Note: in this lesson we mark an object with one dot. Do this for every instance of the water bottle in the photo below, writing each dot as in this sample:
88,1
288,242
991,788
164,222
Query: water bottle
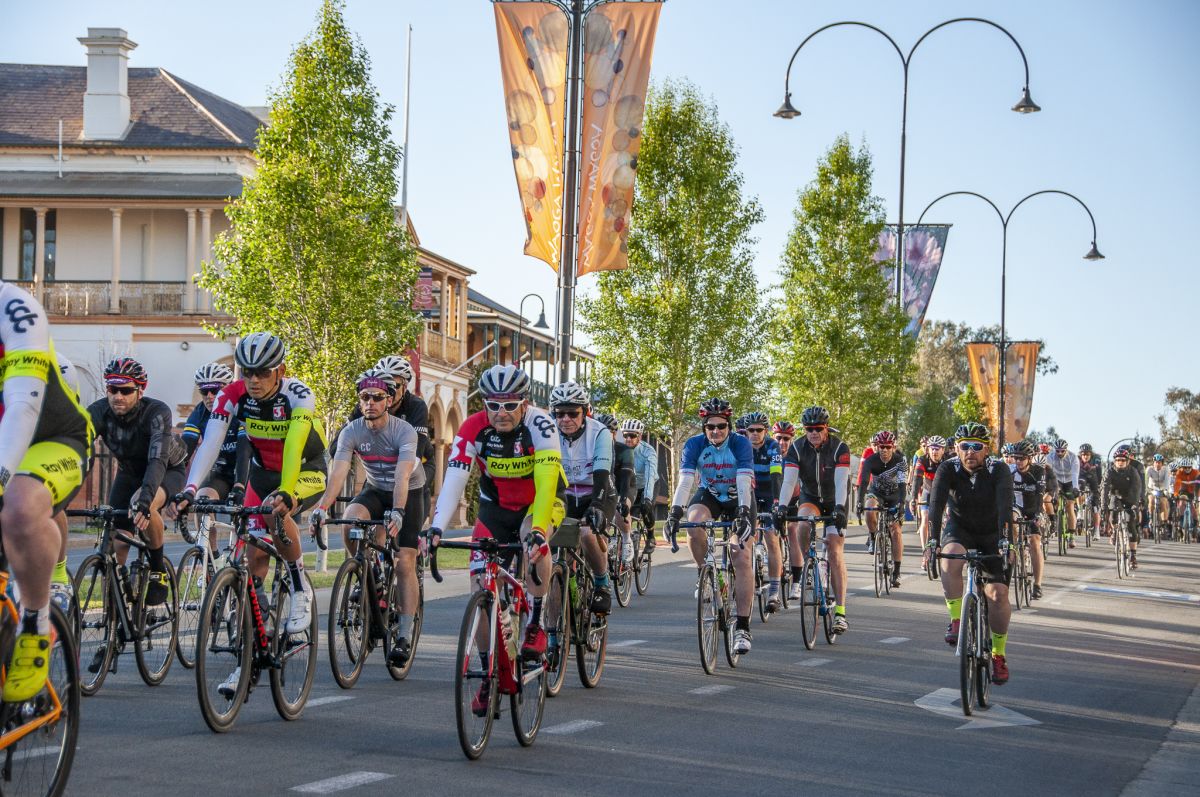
721,583
508,632
573,590
825,579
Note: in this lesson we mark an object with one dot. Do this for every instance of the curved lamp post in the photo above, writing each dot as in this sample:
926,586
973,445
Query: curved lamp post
541,323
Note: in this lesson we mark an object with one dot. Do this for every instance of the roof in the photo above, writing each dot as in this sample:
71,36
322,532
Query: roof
477,297
120,185
167,112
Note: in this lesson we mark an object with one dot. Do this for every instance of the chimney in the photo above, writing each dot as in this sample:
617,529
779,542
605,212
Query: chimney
106,103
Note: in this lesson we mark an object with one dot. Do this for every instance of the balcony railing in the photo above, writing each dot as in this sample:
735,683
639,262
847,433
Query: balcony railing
91,297
441,348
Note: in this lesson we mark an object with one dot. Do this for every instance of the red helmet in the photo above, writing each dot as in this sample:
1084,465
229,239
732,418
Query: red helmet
716,407
783,427
1044,448
883,438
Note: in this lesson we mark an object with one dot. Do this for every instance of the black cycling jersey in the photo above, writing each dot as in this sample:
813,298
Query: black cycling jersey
883,479
623,472
232,461
980,503
1030,487
1124,483
142,441
768,471
1090,474
817,465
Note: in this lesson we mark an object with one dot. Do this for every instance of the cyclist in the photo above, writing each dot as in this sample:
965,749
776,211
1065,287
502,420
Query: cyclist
884,475
516,446
150,464
768,479
1185,488
1043,451
722,466
1064,466
859,481
1032,486
622,480
406,405
1123,489
1091,472
227,481
740,426
925,467
587,459
1158,480
394,490
287,466
45,436
977,494
819,464
645,474
1137,465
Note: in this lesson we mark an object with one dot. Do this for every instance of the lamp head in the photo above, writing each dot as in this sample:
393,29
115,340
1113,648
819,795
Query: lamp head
1026,105
1093,253
787,111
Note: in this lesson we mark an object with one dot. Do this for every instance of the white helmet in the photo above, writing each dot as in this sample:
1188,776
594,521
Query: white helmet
504,381
260,350
213,374
633,425
569,394
396,367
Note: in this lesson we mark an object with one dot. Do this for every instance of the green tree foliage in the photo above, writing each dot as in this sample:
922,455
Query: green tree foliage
679,325
1179,423
315,255
967,407
836,333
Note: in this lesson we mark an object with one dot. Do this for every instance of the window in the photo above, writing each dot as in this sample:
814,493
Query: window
29,245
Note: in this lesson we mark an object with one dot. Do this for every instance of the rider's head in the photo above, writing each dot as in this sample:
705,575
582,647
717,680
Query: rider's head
569,403
124,381
1121,457
505,390
210,379
260,356
398,370
632,430
756,427
884,443
783,432
935,447
815,420
973,441
375,393
715,414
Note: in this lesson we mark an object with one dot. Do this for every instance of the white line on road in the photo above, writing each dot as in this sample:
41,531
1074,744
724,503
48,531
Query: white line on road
324,701
627,643
1143,593
893,640
1056,597
341,782
35,752
948,703
812,662
714,689
574,726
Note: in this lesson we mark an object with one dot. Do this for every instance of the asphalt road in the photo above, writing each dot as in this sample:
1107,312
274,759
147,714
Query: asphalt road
1101,673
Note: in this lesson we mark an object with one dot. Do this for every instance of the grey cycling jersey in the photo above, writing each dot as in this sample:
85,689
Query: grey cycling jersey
1158,480
381,450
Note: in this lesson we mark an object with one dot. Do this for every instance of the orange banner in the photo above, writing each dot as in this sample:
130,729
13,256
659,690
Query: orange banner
1020,372
533,65
618,42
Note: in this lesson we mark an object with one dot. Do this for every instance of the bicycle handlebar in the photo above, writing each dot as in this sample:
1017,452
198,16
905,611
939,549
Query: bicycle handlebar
102,511
970,556
486,544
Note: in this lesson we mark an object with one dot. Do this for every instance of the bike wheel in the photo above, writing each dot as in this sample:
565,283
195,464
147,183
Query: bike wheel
393,618
886,576
785,573
296,654
157,631
760,585
223,648
642,565
528,703
591,641
730,613
1062,533
623,583
828,609
191,578
967,663
472,676
983,664
349,624
706,619
1120,543
557,610
1089,523
97,622
808,603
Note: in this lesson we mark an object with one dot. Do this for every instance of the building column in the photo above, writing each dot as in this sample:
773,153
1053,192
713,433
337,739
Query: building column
462,320
39,255
444,310
205,254
189,290
114,291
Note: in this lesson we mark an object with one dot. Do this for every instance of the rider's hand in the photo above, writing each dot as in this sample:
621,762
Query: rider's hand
395,519
317,518
744,526
435,536
839,517
538,547
281,501
595,519
625,506
779,516
237,494
930,553
183,500
141,513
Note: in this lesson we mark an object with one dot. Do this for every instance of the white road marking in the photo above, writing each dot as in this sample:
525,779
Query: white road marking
574,726
35,752
1057,596
893,640
324,701
812,662
627,643
948,703
341,782
713,689
1143,593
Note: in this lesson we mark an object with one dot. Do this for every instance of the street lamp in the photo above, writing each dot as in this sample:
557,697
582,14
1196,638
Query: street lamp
788,111
1093,254
541,323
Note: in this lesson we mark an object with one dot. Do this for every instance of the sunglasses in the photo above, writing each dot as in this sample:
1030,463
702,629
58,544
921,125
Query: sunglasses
933,448
567,413
1060,451
506,406
756,430
971,446
372,397
124,391
257,373
811,429
631,435
1018,457
887,448
209,391
782,438
716,427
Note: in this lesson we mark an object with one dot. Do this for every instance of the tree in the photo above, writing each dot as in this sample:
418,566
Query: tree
680,323
315,255
968,408
1179,423
836,334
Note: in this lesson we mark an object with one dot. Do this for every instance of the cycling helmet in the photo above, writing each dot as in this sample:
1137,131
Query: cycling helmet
633,425
609,420
384,375
740,424
569,394
756,417
1159,458
504,381
973,431
935,440
716,407
1061,445
1012,450
124,370
373,379
260,350
783,427
1025,449
815,416
1123,452
396,367
1044,448
1085,448
883,438
213,374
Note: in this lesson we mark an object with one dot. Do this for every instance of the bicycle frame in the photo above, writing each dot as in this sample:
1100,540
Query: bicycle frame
11,617
107,515
358,533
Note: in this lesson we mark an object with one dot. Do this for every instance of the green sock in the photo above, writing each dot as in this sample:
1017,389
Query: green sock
998,643
839,610
955,607
60,575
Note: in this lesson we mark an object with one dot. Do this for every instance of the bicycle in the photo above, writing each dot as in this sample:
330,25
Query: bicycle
364,607
1157,528
974,647
113,610
1089,518
816,597
1060,524
38,736
1021,560
620,567
194,573
495,614
1124,525
715,593
569,618
239,635
762,581
642,559
889,516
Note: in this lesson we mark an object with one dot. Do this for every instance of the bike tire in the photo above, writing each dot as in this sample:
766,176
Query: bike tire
983,667
292,680
474,732
730,612
785,573
393,618
153,651
707,623
1062,532
830,608
191,580
557,608
97,621
760,585
623,582
642,570
186,527
967,663
528,704
809,603
591,641
349,624
224,628
887,563
878,560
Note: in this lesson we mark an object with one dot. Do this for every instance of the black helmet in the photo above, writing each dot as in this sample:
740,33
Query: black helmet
609,420
1085,448
973,431
757,417
123,370
1012,450
815,415
740,424
716,406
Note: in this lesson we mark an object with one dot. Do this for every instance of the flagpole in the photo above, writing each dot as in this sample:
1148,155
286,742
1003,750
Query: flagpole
404,172
566,269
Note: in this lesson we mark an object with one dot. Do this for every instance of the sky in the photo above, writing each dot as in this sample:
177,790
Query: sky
1117,82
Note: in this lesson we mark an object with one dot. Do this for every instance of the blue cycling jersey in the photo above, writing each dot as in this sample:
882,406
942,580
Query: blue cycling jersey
768,463
718,466
194,428
645,467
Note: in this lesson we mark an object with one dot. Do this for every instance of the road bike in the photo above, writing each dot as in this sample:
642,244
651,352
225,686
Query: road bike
1125,525
113,611
1021,561
889,517
489,662
569,620
1088,515
195,572
621,557
974,647
716,610
816,594
642,556
242,632
1060,524
1158,528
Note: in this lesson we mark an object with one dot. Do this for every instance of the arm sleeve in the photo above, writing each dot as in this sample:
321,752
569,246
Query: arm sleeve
210,446
938,494
791,475
191,429
453,485
600,480
687,478
418,419
547,467
650,471
27,364
299,428
1004,499
841,476
1075,473
160,449
745,488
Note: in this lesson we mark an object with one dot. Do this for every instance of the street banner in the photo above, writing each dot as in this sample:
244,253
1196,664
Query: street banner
423,292
1020,372
924,246
533,66
985,378
618,42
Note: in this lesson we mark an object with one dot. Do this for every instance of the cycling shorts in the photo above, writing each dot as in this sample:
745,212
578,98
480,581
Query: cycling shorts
720,510
578,506
376,502
57,463
823,508
506,526
126,485
984,543
262,482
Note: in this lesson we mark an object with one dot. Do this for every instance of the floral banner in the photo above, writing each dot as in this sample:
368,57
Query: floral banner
1020,372
923,249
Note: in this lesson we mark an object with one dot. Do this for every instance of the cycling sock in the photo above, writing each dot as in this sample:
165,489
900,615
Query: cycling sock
999,641
297,581
156,558
955,607
896,568
405,626
602,581
743,623
839,610
797,572
36,621
773,587
535,616
60,575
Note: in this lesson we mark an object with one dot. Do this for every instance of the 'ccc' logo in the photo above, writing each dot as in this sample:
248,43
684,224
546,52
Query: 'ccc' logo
19,314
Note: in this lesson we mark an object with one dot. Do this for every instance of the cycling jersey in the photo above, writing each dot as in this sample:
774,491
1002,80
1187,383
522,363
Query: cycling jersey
410,407
142,440
1090,473
823,472
380,450
884,480
587,459
1185,481
979,504
645,460
1124,483
726,471
1157,479
1065,468
227,460
1029,488
768,471
866,454
282,430
518,470
923,471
